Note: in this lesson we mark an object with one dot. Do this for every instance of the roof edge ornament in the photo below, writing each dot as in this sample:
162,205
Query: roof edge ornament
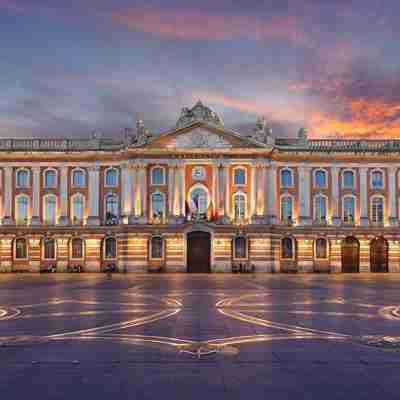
263,132
199,112
302,136
139,136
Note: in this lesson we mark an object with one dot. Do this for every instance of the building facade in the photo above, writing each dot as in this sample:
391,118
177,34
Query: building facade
200,198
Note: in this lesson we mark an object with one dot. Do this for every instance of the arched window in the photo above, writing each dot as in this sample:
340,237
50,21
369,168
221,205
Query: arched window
286,178
320,208
49,249
50,178
111,209
240,206
77,248
22,208
21,249
348,179
321,248
199,200
287,248
111,178
158,176
110,248
78,204
320,179
78,178
239,176
240,247
377,207
22,178
377,179
50,209
156,247
348,209
286,209
157,206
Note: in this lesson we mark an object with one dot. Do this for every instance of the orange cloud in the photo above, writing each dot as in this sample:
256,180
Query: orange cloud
372,119
195,25
363,118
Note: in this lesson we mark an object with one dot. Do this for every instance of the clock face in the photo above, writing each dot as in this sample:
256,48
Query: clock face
199,173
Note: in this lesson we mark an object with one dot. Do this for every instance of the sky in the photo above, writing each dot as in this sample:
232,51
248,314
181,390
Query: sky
68,68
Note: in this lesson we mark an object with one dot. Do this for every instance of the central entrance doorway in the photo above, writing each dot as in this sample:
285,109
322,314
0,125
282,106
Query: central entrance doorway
350,255
198,251
379,255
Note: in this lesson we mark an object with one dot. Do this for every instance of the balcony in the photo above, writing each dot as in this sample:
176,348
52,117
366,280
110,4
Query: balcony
288,221
348,220
111,219
322,221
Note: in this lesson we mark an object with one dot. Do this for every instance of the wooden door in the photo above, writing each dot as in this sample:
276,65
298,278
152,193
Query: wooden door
198,252
350,255
379,255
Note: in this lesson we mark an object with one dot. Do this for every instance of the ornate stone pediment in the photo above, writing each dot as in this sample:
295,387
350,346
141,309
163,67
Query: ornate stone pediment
200,138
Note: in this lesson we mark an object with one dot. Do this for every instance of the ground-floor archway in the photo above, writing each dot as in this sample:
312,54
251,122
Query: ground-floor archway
350,255
379,255
198,251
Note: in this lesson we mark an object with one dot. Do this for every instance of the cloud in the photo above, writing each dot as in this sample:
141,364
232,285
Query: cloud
356,118
191,24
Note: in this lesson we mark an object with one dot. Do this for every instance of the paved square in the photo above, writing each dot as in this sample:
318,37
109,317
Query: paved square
181,335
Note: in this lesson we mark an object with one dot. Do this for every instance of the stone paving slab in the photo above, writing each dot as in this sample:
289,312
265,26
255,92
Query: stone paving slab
285,336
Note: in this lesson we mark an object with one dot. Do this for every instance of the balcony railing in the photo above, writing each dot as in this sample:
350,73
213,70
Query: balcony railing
289,221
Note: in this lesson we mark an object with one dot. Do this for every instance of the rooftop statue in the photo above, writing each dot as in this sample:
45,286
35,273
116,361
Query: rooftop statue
302,135
262,132
137,137
198,113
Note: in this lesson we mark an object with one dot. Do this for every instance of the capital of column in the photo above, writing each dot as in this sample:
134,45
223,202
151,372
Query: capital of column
94,168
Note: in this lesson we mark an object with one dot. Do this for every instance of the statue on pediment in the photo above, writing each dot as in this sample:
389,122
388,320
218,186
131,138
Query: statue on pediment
198,113
262,132
137,137
302,135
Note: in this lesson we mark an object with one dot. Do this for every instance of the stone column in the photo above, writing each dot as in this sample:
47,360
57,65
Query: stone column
272,195
227,193
304,195
180,180
35,220
261,189
8,196
141,192
253,194
215,189
126,191
364,220
64,220
392,209
94,185
171,188
133,173
336,219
